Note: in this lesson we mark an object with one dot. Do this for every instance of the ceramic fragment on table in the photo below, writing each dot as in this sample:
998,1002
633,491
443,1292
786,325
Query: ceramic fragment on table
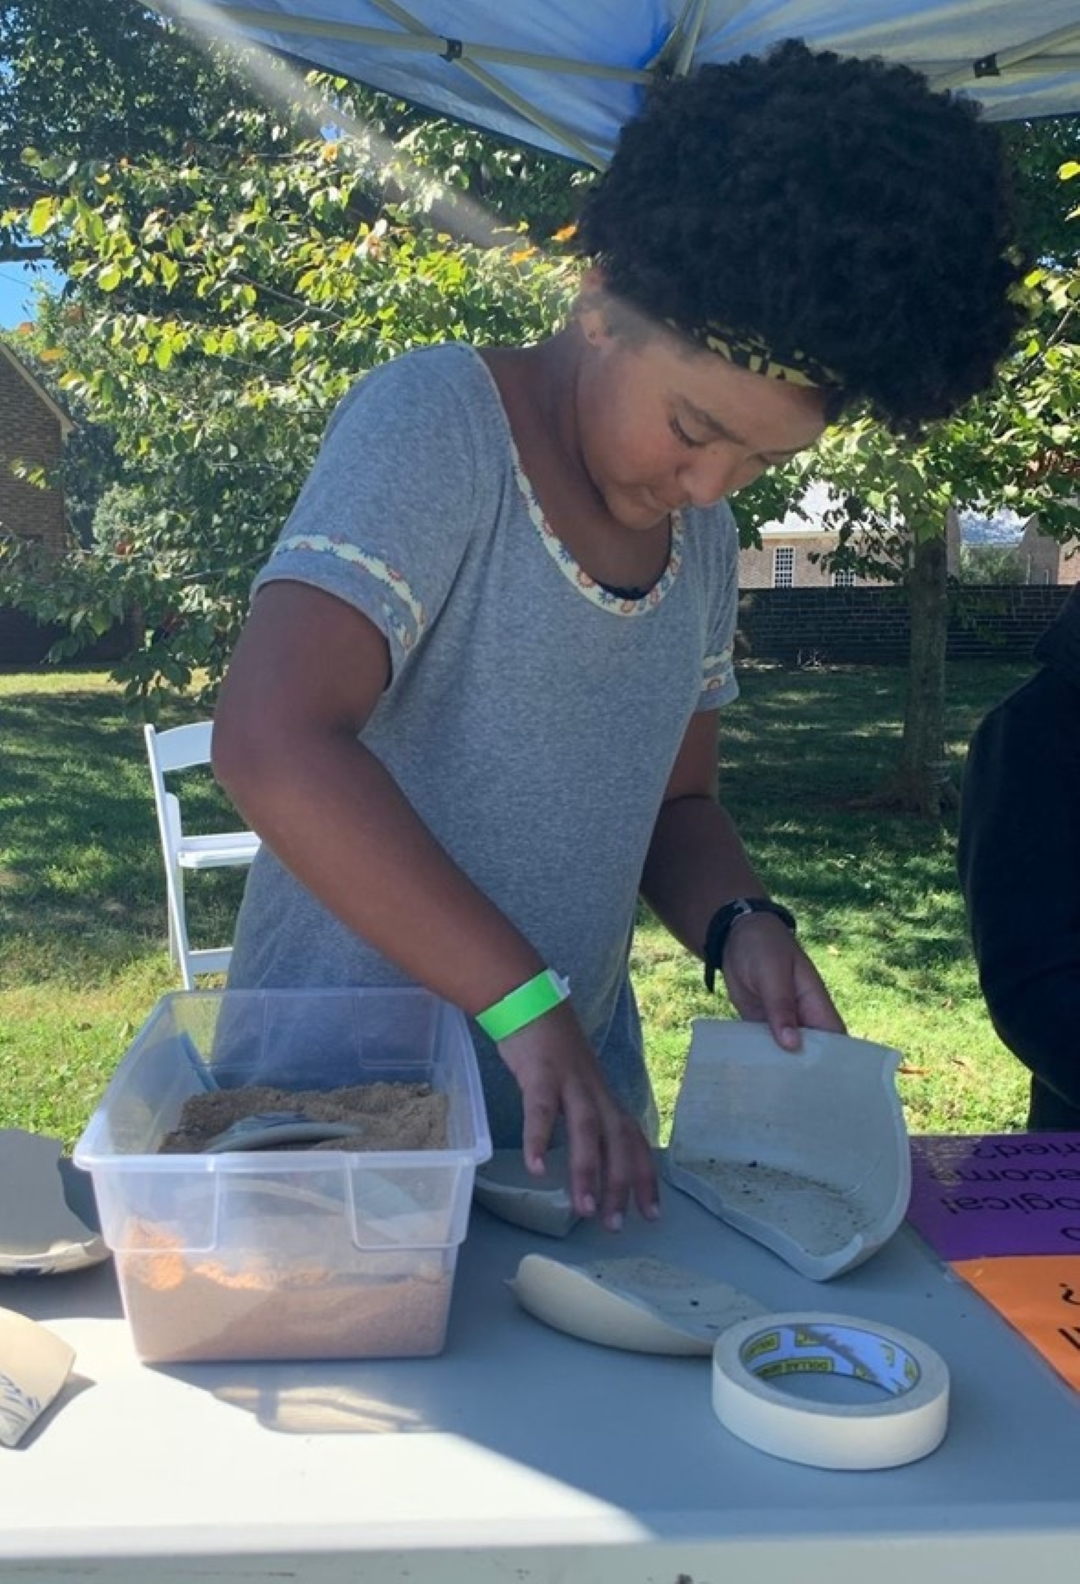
505,1186
807,1152
48,1216
641,1305
34,1364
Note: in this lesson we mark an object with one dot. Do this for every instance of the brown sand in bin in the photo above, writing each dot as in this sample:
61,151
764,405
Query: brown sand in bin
389,1116
285,1301
287,1280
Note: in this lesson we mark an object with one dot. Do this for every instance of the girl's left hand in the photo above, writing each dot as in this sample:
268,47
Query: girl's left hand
770,979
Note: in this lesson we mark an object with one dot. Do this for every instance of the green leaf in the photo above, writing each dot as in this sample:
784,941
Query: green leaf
41,216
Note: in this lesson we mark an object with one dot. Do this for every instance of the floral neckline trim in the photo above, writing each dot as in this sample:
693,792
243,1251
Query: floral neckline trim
596,593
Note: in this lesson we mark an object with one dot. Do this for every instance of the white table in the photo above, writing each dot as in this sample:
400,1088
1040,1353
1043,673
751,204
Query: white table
521,1456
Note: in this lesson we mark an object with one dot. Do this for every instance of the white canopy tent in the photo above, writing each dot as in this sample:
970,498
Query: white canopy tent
563,75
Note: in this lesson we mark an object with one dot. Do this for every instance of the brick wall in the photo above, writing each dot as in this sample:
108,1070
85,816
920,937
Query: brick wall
24,642
32,432
869,626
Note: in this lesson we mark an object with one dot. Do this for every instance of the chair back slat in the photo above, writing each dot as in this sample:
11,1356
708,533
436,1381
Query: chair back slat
176,749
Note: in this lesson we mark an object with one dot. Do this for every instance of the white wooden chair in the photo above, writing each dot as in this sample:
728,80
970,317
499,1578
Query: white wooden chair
180,748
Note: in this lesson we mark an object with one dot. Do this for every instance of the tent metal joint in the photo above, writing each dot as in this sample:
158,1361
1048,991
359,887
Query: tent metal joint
986,66
454,49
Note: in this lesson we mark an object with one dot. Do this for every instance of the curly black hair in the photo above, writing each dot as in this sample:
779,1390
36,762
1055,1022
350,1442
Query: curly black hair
829,206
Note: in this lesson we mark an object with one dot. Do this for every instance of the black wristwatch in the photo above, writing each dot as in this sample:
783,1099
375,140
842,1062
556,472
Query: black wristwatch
720,924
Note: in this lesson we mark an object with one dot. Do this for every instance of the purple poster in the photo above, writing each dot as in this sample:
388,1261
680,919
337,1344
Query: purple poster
996,1193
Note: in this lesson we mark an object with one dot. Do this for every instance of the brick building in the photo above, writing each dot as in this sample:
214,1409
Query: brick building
788,557
1044,560
33,429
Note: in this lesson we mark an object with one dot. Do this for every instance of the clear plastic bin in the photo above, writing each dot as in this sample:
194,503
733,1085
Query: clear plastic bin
270,1253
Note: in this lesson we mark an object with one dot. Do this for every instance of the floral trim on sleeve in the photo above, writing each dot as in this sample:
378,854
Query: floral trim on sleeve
716,672
403,612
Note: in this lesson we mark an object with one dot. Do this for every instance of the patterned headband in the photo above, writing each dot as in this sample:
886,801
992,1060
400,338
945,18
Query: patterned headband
748,352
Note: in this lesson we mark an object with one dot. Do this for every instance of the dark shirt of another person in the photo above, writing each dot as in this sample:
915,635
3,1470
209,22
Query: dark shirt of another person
1019,862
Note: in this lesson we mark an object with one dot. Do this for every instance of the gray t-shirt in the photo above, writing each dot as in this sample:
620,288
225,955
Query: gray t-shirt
532,718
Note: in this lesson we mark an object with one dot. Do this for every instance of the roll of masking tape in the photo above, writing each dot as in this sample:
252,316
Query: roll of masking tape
753,1354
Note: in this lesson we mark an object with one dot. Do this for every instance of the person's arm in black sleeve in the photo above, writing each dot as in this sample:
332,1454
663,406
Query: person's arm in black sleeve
1019,865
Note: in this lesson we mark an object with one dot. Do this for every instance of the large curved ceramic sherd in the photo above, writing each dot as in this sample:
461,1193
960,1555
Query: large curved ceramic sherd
807,1153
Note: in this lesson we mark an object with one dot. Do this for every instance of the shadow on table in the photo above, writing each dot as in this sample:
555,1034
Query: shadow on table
637,1431
91,1293
73,1387
452,1393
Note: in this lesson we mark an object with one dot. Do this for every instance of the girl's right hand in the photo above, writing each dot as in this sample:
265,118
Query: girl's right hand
610,1157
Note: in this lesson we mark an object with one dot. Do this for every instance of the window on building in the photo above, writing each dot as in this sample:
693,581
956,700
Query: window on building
843,577
783,567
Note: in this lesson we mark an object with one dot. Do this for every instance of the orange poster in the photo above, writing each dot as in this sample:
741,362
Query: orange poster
1039,1294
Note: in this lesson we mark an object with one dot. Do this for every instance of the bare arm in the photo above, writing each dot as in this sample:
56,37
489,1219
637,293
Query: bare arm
696,863
306,675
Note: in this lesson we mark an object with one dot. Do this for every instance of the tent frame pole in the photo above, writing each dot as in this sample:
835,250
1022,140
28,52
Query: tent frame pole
234,19
1036,53
508,96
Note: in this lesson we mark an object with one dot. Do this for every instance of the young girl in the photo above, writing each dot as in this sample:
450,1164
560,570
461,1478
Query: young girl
473,714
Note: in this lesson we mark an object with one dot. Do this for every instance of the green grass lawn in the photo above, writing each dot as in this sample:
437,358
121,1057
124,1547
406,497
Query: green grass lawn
875,894
82,906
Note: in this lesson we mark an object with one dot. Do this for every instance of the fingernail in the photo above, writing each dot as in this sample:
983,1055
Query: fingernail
615,1222
653,1212
790,1038
588,1205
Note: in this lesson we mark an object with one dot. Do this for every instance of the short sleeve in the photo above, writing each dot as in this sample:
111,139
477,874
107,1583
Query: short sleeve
384,519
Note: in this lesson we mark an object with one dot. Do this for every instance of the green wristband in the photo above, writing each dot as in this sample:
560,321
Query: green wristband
523,1005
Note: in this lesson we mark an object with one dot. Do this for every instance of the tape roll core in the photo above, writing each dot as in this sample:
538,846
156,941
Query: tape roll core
907,1425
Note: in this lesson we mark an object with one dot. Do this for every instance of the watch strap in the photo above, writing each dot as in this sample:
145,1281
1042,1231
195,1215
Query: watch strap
724,919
